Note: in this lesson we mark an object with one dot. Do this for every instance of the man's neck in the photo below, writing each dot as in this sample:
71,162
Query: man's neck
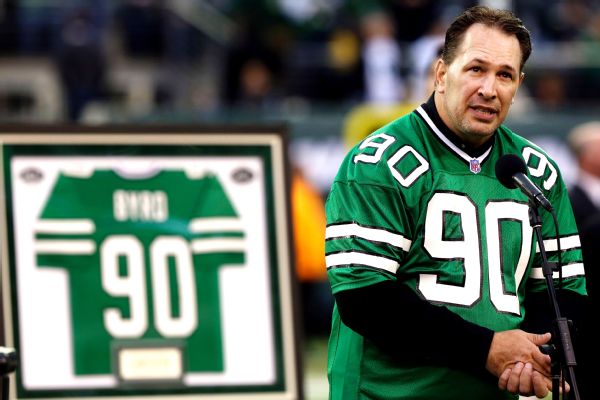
474,151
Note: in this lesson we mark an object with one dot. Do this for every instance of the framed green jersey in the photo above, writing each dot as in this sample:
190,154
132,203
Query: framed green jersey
148,263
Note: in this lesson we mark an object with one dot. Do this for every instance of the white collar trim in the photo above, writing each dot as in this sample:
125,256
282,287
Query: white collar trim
447,141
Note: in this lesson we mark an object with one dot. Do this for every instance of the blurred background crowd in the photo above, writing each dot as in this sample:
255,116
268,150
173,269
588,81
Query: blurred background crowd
331,70
309,63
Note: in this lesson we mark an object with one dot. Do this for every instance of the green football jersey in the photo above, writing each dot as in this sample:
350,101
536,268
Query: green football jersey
409,204
143,257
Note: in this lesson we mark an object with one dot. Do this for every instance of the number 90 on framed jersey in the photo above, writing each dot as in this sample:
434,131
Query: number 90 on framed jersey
148,263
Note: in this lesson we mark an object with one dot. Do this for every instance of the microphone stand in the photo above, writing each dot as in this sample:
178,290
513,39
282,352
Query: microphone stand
561,352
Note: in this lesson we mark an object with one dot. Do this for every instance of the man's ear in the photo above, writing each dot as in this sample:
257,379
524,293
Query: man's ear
521,77
440,76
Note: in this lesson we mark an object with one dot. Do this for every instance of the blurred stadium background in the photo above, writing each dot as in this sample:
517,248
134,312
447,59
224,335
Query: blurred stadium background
331,70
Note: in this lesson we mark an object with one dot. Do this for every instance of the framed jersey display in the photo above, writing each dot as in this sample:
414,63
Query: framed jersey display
148,263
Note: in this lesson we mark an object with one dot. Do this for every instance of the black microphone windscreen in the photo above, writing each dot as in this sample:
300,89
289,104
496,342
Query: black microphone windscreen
507,166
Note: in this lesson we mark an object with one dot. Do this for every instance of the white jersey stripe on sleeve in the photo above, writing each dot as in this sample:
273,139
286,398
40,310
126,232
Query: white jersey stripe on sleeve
65,247
355,258
567,271
65,226
214,245
566,243
371,234
216,224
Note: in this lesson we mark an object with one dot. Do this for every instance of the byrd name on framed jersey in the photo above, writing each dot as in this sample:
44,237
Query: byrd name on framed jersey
148,263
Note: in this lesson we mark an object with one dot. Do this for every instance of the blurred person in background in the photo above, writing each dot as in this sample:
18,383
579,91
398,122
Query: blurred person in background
323,62
423,53
308,46
254,59
401,40
257,89
81,63
550,91
370,116
384,86
439,291
584,141
382,59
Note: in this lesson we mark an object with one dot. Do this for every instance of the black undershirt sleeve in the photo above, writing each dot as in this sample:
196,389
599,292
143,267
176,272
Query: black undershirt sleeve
410,329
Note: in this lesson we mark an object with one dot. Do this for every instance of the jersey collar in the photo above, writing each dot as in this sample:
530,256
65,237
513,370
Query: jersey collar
474,156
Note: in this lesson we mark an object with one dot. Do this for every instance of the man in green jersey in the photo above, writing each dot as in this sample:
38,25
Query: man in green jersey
433,263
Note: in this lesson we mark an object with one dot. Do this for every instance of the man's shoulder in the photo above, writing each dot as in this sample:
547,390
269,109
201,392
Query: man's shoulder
517,142
507,134
406,130
397,148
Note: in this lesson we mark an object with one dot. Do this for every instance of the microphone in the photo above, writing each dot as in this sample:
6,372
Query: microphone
8,360
511,171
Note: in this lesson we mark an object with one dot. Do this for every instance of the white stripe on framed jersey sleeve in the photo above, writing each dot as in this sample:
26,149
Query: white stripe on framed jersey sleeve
566,243
214,245
65,226
371,234
354,258
216,224
567,271
67,246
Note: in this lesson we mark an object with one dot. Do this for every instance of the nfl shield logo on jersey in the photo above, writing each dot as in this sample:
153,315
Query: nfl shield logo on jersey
474,166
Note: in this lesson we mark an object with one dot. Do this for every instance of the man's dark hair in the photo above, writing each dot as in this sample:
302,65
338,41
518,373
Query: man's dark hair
503,20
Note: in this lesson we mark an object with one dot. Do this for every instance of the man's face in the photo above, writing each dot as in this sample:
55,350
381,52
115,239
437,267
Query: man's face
475,91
